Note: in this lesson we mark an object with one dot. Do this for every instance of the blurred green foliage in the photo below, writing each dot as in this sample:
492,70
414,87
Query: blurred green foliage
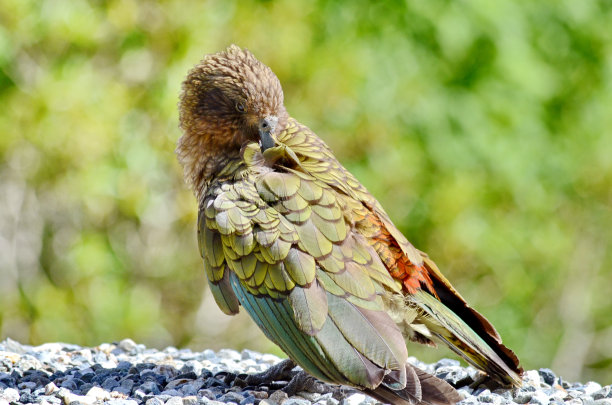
483,127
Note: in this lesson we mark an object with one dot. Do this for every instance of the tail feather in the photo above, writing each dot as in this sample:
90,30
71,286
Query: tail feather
420,388
449,328
470,334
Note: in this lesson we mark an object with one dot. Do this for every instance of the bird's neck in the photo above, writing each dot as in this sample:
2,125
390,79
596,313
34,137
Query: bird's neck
201,164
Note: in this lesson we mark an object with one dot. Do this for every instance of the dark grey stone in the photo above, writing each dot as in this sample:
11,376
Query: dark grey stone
248,400
231,397
547,375
150,387
110,383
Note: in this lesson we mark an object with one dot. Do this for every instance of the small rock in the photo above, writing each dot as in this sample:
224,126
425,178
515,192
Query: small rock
231,397
522,396
465,392
190,400
98,393
69,397
127,345
270,359
150,387
249,400
605,392
27,385
311,396
488,397
591,387
278,397
470,401
454,375
171,393
209,354
192,366
603,401
539,398
323,399
355,399
167,371
139,395
191,389
175,401
247,354
121,402
447,363
110,383
531,377
175,383
207,393
154,401
296,401
10,395
70,384
51,388
258,394
547,375
229,355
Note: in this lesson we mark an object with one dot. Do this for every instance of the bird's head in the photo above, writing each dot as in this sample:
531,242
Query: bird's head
228,99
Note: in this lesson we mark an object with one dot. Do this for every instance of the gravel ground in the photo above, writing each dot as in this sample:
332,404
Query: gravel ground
127,373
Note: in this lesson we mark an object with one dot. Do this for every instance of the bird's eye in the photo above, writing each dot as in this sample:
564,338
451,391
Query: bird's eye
240,108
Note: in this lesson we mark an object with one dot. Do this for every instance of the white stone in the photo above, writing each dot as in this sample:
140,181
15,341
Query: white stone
190,400
229,355
270,359
121,402
175,401
539,398
532,377
10,395
69,397
127,345
296,401
50,388
355,399
98,393
591,387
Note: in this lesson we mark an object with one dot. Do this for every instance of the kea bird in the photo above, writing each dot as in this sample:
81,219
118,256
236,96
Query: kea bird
290,235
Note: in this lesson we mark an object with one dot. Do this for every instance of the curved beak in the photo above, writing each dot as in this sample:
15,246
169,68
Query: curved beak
266,128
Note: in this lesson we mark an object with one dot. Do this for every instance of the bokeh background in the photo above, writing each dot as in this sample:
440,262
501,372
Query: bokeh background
483,127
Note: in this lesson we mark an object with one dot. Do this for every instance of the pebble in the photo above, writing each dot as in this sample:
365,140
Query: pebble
10,395
127,373
296,401
605,392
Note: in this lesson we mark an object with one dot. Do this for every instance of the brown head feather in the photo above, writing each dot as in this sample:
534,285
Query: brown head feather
223,99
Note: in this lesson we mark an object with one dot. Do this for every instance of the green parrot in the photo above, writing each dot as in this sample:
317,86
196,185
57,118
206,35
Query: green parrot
290,235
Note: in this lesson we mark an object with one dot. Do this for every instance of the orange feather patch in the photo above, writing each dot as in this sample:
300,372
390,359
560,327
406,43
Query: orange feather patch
412,276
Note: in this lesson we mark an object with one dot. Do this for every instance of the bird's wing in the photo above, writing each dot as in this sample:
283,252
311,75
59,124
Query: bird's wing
460,326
